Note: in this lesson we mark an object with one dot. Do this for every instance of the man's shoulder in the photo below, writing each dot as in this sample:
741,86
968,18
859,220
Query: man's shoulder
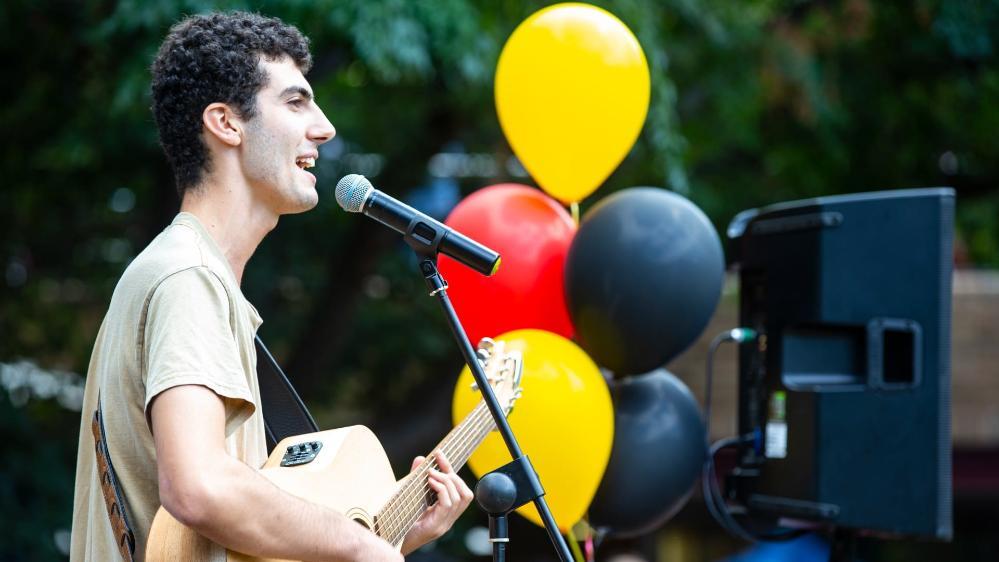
175,250
178,248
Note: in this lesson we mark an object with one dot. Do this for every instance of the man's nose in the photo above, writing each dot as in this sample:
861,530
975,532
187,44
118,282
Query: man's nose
323,130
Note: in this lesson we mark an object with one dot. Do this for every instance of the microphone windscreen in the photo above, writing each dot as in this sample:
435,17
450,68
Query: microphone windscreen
351,192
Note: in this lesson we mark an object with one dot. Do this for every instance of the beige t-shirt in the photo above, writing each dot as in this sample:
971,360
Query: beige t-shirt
176,317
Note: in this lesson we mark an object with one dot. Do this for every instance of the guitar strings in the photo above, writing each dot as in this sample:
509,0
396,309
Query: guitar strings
460,433
429,496
394,525
475,424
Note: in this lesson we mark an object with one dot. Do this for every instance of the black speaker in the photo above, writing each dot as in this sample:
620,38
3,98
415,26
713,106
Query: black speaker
846,391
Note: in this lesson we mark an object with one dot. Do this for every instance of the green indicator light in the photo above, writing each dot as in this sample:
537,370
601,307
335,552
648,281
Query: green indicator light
778,405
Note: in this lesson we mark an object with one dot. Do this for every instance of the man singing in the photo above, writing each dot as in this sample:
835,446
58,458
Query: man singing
174,369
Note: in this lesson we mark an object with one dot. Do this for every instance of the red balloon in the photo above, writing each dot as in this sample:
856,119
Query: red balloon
532,233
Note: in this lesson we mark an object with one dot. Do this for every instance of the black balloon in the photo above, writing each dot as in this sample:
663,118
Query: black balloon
643,277
659,449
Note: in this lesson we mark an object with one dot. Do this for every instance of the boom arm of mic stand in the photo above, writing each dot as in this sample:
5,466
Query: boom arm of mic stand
438,288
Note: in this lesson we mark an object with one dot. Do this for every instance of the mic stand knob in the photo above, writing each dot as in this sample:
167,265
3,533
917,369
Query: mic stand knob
503,490
496,493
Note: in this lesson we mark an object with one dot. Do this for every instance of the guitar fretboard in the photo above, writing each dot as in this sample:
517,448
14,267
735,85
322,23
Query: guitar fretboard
415,495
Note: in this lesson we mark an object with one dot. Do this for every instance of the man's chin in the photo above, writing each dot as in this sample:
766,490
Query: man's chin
306,201
301,208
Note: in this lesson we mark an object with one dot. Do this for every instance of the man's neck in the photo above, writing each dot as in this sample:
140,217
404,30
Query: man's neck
235,224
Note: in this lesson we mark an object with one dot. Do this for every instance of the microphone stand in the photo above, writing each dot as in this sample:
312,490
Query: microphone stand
516,483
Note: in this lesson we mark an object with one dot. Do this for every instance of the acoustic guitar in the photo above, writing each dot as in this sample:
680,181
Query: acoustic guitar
347,470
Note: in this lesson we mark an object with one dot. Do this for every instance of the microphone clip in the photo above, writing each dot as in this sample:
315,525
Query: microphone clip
428,267
423,238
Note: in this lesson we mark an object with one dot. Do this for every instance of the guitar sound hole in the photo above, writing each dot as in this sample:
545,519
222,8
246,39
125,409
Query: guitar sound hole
362,523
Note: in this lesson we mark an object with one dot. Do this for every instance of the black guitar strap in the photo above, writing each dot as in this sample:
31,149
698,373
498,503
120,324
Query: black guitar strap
284,413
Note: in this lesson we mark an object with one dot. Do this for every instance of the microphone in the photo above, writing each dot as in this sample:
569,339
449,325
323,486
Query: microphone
356,195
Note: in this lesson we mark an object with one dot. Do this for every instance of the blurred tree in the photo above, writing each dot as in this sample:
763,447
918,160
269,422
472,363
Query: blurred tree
753,102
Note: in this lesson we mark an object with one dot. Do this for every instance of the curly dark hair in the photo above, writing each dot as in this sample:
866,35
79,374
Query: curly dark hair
214,58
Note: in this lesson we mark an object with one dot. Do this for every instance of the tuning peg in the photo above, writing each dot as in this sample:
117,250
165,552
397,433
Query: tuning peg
482,357
475,385
486,344
513,400
513,363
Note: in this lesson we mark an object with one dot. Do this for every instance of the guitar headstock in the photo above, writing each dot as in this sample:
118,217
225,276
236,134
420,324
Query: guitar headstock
503,368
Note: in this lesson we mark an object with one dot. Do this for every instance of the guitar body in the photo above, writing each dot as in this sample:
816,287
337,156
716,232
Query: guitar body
350,474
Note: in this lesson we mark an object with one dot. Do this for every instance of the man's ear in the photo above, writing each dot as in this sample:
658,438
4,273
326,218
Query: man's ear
221,122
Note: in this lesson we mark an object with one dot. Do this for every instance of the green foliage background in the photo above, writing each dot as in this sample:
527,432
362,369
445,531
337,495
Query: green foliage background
753,102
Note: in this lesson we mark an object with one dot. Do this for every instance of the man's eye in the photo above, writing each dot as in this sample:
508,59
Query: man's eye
296,102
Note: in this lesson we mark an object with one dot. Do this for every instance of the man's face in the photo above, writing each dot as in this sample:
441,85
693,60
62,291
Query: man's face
282,140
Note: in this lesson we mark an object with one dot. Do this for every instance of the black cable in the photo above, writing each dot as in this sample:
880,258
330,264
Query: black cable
712,348
712,493
709,485
713,497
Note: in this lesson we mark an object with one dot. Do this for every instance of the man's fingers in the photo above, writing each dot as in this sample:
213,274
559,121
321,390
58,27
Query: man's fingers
443,462
443,496
447,480
452,488
452,492
465,492
417,462
453,496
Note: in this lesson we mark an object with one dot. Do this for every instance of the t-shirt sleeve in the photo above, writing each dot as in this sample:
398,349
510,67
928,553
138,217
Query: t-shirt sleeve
189,339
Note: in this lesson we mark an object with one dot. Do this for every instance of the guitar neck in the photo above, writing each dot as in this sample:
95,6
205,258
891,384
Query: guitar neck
414,495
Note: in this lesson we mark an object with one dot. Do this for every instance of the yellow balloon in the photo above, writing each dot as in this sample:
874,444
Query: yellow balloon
564,422
572,92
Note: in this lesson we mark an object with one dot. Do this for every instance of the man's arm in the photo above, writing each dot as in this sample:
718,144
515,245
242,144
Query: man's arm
232,504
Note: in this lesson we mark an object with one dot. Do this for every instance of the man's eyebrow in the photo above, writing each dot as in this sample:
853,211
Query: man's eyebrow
300,90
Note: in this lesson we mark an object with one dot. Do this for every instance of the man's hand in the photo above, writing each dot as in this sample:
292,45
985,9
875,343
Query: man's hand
453,496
